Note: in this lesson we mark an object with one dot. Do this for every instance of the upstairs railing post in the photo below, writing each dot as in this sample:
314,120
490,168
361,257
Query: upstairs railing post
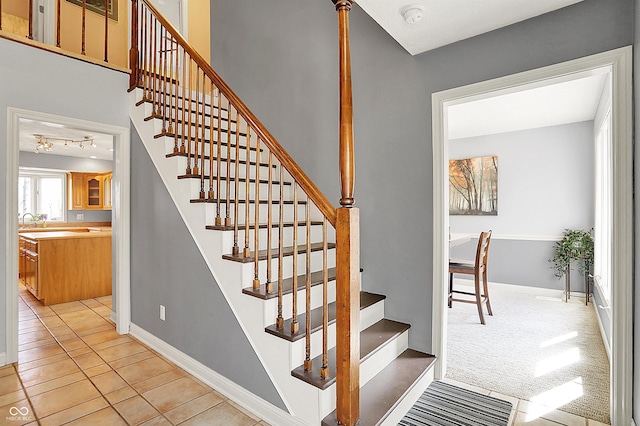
347,246
133,52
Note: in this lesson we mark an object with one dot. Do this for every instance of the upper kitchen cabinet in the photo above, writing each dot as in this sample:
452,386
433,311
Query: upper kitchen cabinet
89,191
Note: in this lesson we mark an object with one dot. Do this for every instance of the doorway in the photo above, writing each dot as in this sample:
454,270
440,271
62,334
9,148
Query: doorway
120,218
619,63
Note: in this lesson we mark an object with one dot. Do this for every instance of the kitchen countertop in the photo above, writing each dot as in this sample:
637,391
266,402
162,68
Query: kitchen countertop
58,235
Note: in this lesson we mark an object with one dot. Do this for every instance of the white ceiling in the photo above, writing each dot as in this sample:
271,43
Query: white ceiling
28,128
448,21
550,105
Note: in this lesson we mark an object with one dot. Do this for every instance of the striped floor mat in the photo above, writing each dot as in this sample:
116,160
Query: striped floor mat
443,404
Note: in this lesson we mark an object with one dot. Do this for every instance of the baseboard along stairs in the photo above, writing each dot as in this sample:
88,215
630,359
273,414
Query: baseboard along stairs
268,241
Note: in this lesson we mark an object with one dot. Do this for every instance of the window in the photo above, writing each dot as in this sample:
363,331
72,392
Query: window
41,192
603,214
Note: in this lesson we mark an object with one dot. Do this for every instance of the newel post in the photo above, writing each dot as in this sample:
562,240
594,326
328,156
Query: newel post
133,51
348,246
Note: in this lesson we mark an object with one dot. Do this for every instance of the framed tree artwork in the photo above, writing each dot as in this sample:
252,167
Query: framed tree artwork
473,186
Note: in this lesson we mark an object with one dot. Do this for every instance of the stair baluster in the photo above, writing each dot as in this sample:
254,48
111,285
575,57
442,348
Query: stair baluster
280,318
235,249
268,283
307,287
247,250
256,222
227,218
295,326
218,155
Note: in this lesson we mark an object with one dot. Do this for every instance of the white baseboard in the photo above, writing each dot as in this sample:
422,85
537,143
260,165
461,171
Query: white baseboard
249,401
3,358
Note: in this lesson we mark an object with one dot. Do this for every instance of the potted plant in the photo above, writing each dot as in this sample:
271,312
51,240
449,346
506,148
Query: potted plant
575,245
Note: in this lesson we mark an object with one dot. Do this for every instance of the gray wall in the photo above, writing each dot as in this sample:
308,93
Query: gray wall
168,269
281,57
64,87
545,185
545,180
69,164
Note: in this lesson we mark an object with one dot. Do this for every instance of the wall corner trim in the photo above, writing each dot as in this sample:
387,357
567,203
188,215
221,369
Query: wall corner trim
3,359
231,390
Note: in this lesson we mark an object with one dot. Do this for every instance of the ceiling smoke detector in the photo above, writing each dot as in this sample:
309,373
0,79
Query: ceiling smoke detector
412,14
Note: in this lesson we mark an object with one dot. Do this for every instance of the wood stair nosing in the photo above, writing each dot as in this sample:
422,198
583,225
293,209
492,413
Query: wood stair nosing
222,160
260,226
366,299
215,130
179,98
372,339
287,285
286,251
241,201
242,179
207,141
384,391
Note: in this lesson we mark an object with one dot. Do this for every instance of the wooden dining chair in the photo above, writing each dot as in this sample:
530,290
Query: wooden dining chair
479,270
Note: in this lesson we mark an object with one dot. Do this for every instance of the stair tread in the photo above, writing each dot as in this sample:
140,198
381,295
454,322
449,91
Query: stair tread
286,251
206,177
194,137
366,299
372,339
208,141
222,160
287,285
241,201
383,392
261,226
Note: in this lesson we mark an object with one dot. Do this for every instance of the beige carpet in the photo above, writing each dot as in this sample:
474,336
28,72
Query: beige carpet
534,347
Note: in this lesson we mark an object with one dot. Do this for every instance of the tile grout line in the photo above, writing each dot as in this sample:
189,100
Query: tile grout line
58,342
24,389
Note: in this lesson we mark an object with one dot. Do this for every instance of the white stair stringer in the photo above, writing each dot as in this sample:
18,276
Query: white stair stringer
305,403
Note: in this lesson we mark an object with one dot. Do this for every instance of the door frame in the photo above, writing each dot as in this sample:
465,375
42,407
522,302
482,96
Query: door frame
120,219
619,61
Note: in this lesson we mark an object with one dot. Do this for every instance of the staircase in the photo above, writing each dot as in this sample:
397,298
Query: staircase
286,260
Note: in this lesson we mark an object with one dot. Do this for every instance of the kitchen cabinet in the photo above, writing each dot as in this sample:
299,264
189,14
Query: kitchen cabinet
64,266
28,259
89,191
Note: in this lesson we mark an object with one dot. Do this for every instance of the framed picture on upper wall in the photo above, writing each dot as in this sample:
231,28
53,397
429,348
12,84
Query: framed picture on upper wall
97,6
473,186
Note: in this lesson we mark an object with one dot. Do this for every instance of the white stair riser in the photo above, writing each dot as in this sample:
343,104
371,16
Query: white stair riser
271,305
181,166
287,236
287,267
193,149
287,212
196,186
298,347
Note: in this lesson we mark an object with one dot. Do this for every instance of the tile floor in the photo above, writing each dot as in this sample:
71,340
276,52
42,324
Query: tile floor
73,368
526,413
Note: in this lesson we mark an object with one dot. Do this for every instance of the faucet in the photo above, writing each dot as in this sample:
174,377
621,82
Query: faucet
32,217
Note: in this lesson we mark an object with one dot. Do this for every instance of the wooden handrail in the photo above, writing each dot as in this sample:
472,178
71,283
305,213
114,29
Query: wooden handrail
305,183
210,113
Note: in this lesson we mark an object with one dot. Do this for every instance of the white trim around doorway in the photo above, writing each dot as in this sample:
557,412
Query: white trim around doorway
120,219
619,64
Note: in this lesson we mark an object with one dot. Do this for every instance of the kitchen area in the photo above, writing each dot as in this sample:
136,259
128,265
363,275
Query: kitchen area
64,216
